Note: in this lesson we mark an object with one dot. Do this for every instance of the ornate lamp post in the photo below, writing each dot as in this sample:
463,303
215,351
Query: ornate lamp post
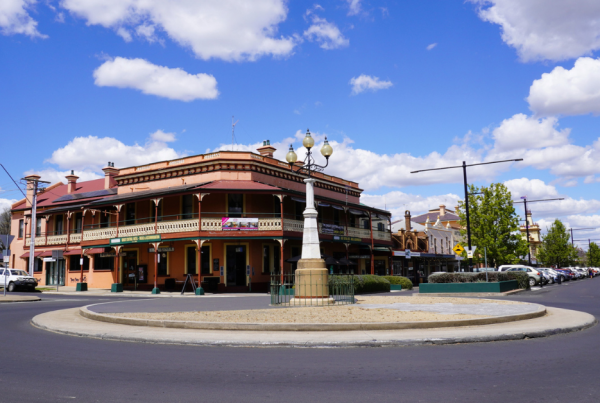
311,276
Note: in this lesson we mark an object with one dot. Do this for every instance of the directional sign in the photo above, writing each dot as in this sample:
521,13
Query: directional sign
458,249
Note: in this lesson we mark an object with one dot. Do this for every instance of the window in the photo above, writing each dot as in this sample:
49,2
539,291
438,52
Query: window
21,228
191,260
366,224
58,224
39,265
104,263
130,214
351,221
205,260
276,206
299,210
187,206
235,205
78,222
336,217
104,219
162,264
74,263
38,226
266,259
380,226
277,259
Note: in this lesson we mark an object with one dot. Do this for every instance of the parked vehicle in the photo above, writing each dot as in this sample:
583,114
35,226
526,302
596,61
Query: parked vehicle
482,269
535,276
17,279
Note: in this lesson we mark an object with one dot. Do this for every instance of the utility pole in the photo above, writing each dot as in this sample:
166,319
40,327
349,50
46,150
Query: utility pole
464,168
524,198
34,181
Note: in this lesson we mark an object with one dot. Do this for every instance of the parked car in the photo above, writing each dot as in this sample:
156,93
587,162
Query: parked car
482,269
552,274
17,279
535,276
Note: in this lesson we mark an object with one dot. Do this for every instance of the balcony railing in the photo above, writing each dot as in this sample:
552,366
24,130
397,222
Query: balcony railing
191,225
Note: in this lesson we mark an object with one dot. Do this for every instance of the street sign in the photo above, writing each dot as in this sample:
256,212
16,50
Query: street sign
472,249
407,253
6,259
469,253
458,249
49,259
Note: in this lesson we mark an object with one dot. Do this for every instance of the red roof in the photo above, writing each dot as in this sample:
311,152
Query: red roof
239,185
46,198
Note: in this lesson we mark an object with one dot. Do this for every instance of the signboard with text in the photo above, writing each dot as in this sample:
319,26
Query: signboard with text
135,239
239,224
346,239
332,229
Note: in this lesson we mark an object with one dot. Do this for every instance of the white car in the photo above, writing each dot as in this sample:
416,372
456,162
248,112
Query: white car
16,278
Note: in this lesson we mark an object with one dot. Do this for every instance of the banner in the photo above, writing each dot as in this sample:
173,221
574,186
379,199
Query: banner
239,224
332,229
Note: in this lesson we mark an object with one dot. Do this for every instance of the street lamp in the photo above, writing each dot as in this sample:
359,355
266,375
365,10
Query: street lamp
312,275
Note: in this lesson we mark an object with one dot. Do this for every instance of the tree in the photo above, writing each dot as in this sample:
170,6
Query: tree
494,225
593,255
5,219
556,250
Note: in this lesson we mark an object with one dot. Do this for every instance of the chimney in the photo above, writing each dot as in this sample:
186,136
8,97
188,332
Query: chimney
267,149
442,210
109,175
30,186
72,182
407,220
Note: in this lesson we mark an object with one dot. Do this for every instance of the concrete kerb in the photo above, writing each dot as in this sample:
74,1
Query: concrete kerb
313,327
18,298
556,321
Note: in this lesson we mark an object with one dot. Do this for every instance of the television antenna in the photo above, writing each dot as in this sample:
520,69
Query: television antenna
233,131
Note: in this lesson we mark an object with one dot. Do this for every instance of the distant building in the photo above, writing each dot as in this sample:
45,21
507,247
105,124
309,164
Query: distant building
448,218
535,239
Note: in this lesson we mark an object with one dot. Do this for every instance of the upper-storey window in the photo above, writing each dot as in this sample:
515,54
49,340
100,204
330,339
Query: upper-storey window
104,219
130,213
336,217
58,224
38,226
77,223
187,206
235,205
21,228
154,209
380,226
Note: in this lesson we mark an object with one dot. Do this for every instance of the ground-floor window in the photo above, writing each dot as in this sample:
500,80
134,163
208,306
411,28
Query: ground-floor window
104,263
191,259
205,260
397,267
39,265
163,264
74,263
380,267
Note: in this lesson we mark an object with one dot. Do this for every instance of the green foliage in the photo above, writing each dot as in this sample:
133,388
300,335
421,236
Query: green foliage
493,276
5,219
556,249
368,283
399,280
593,255
494,225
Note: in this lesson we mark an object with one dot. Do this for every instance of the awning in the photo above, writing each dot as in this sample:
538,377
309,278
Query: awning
357,212
323,204
335,206
72,252
37,254
94,251
299,200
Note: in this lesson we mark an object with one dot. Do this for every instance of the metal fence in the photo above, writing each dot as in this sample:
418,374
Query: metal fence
339,287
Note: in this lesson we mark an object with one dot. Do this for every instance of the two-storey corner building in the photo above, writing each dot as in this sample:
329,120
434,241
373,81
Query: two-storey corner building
230,219
535,238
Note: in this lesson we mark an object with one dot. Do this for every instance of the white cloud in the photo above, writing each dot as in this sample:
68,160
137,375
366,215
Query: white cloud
363,83
90,154
146,31
522,132
6,203
325,33
125,34
172,83
545,29
354,7
532,188
568,92
232,30
398,202
431,46
14,18
160,135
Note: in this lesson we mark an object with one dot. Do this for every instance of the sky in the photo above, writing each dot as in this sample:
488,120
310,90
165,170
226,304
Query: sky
395,86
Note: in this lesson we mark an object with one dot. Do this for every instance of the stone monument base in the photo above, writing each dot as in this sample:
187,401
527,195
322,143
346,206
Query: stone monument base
311,284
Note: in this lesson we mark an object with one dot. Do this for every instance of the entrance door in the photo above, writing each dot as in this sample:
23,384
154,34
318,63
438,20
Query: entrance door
129,269
236,265
55,272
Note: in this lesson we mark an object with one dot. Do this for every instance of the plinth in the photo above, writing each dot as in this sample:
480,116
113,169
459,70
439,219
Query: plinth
311,284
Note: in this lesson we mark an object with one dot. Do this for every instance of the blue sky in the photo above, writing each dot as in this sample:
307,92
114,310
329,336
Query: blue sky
435,83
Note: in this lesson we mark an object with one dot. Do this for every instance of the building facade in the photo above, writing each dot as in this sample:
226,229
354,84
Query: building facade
535,238
229,219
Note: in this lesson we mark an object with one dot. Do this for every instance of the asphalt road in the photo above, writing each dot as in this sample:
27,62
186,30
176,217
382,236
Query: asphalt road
39,366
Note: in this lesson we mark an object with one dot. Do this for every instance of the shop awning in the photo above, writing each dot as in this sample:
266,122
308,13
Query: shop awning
357,212
335,206
72,252
94,251
46,253
299,200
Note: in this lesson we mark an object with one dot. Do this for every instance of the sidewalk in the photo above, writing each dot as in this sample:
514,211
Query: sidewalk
105,292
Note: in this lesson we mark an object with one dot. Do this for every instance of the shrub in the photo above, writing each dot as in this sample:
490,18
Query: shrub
368,283
494,276
403,281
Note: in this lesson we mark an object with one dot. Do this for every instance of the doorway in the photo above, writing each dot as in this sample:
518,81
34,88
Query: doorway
129,269
236,265
55,272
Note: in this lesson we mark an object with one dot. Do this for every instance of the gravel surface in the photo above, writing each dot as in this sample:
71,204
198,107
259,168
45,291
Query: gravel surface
339,314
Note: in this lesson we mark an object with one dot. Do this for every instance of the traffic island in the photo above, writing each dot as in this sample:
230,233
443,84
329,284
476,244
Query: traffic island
18,298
